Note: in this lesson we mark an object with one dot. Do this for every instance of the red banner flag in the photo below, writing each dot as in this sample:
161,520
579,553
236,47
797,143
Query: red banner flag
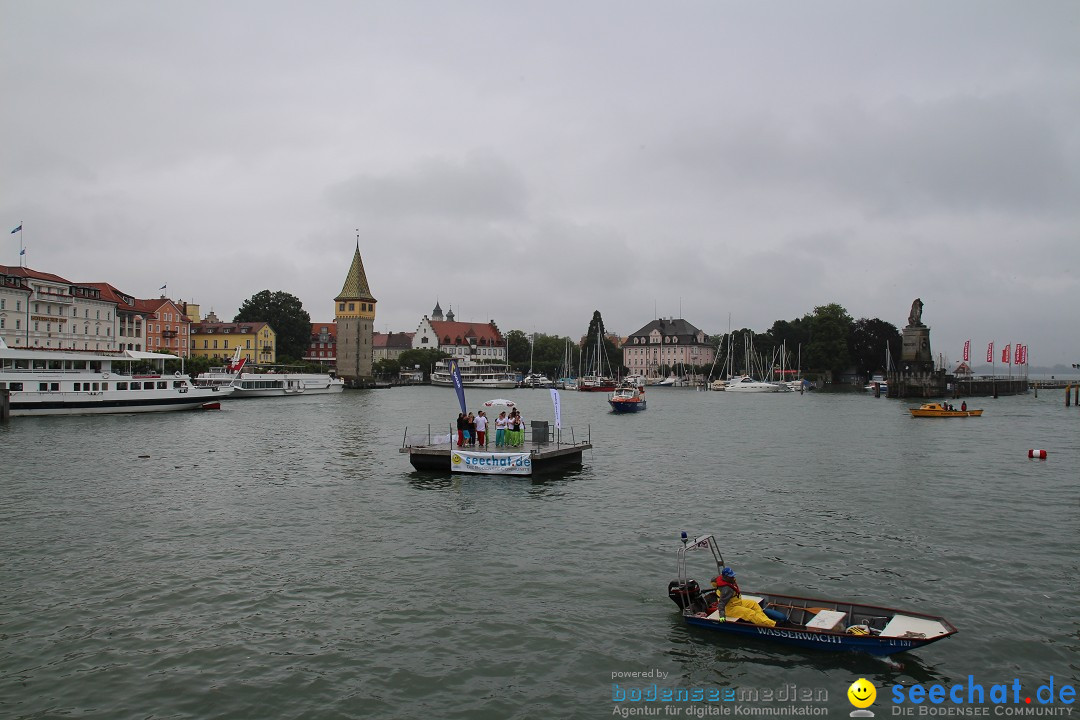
967,351
990,353
1006,355
1023,355
1018,354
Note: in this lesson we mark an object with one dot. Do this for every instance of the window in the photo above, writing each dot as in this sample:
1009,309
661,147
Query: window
121,386
341,307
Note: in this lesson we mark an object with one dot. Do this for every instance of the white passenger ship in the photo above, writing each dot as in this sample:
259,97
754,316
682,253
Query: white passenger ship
477,375
70,382
267,384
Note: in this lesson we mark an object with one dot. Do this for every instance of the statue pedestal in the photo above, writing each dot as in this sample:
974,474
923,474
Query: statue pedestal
915,375
915,352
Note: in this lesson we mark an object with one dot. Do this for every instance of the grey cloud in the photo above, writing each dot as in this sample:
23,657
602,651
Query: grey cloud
481,186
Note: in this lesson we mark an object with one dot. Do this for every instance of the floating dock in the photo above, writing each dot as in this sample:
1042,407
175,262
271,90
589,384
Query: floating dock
532,457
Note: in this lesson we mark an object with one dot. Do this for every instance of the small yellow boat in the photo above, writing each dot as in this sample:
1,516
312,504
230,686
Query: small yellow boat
939,410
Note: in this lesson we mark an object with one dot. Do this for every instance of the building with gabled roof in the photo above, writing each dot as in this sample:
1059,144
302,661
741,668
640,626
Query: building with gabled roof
130,319
666,343
219,340
43,310
167,326
479,342
323,346
390,345
354,314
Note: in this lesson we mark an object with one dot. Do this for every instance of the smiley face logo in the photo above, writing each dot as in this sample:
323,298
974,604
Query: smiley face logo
862,693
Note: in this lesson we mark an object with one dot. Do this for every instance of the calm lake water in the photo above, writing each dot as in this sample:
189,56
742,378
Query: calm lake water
280,558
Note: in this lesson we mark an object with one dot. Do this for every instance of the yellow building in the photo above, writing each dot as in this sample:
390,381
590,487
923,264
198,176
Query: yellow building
218,341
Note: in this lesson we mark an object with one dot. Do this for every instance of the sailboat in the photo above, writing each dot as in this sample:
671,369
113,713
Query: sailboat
566,380
535,380
596,380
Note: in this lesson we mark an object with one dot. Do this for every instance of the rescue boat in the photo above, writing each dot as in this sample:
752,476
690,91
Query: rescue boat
939,410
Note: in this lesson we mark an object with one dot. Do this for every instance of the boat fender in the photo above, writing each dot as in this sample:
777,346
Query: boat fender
1037,454
104,376
178,374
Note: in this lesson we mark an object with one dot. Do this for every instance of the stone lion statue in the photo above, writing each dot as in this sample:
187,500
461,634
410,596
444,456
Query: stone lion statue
915,317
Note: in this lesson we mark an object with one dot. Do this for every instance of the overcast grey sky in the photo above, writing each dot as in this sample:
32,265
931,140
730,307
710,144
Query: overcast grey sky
531,162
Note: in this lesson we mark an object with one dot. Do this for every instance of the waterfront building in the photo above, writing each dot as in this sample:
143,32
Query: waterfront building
478,342
354,314
167,326
130,319
43,310
389,346
218,341
669,342
323,346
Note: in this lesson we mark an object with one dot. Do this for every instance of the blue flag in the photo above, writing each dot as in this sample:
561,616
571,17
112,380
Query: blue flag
455,374
18,229
163,287
22,251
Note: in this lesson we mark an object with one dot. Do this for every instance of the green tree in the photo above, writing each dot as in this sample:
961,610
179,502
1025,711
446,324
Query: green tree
386,368
870,340
425,358
288,318
607,351
830,334
517,348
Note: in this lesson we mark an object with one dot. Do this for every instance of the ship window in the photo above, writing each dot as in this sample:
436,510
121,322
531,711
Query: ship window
163,384
18,386
135,386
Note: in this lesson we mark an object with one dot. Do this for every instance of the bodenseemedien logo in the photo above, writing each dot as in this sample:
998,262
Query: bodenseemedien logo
862,694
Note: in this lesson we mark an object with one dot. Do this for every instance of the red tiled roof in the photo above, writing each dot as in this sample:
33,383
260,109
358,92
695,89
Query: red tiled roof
28,273
331,328
204,326
459,331
392,340
112,294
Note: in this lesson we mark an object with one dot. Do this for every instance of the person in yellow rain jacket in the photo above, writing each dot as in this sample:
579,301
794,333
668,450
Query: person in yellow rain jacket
733,605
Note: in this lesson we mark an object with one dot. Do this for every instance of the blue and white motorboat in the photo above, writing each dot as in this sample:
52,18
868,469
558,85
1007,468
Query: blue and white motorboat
813,623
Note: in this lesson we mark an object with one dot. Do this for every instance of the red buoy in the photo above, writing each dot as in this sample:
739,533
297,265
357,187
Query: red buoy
1037,454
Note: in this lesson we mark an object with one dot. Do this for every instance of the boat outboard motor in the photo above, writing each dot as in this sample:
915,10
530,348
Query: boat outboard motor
685,596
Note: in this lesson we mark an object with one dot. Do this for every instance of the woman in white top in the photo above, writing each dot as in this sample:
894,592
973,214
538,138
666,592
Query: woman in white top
500,429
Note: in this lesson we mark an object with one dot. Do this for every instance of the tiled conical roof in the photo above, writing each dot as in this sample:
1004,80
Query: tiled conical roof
356,284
